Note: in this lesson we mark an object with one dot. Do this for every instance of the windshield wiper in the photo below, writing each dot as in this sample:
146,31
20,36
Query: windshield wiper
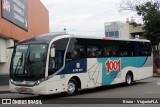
19,63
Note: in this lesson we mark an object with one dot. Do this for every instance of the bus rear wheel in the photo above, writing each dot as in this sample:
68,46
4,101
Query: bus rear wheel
72,87
129,79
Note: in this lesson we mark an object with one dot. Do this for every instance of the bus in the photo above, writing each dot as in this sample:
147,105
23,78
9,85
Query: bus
59,62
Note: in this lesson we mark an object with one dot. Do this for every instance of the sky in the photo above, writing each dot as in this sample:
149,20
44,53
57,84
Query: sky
83,17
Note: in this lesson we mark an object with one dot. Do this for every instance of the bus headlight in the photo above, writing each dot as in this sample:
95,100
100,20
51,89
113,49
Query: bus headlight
14,82
40,81
11,81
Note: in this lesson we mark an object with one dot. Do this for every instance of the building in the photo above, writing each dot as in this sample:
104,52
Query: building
19,19
119,29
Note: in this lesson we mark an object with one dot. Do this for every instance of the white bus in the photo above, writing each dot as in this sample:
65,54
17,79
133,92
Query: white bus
54,63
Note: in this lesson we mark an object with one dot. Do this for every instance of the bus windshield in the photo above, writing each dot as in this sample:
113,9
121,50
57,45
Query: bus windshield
28,62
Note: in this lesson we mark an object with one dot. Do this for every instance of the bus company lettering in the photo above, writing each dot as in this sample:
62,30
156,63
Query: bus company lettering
113,65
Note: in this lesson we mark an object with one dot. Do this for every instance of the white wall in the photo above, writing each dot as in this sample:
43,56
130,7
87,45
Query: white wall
5,55
125,31
3,51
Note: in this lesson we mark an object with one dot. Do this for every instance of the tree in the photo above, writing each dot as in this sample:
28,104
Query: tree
130,5
151,17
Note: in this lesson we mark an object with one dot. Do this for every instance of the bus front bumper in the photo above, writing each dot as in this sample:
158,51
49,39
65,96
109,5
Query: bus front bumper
39,90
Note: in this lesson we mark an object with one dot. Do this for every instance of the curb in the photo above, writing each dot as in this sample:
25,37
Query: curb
5,92
156,75
4,89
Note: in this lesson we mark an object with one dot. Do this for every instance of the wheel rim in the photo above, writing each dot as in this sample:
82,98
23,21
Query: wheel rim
129,79
71,87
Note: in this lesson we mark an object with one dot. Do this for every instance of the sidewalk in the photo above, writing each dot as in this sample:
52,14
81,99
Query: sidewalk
4,89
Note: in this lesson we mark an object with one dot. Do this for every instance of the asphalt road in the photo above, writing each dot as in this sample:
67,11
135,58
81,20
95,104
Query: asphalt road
148,88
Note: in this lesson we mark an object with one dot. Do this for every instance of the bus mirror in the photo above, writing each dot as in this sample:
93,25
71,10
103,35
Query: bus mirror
52,52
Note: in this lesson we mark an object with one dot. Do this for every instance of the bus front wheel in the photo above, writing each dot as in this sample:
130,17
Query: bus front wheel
72,87
129,78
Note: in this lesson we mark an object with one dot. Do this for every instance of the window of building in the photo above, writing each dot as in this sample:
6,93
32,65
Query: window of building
107,34
116,33
112,34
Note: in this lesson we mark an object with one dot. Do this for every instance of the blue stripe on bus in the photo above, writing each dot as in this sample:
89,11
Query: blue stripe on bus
108,77
76,66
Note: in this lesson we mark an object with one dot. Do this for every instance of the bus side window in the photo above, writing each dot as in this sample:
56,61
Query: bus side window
94,48
59,59
105,52
82,52
57,63
146,49
93,52
71,53
76,49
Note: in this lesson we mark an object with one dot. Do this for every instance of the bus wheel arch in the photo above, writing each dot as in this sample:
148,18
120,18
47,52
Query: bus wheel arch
129,78
74,84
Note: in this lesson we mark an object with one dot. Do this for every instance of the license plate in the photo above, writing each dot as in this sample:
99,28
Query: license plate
23,89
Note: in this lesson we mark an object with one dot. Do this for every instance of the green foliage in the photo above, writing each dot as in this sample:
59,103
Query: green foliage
151,17
134,24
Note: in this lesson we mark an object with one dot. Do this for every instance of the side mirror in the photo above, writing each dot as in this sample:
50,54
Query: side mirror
53,52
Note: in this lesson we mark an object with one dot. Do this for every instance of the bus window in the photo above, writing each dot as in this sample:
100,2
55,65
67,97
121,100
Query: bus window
110,48
93,50
143,49
76,49
126,49
56,63
71,52
146,49
118,48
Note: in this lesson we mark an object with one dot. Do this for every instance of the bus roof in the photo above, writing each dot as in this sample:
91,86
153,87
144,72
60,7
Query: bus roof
108,38
46,38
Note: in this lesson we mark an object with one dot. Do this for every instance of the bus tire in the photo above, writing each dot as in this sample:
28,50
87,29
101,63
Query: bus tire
129,79
72,87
